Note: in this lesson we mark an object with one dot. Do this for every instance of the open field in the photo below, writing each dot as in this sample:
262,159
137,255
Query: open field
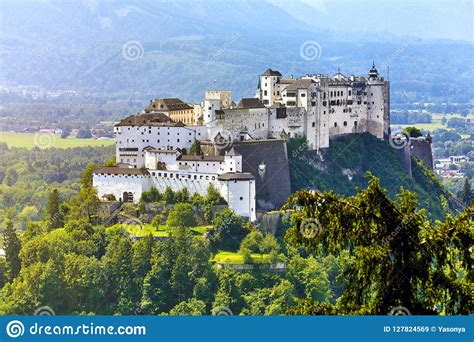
234,258
47,140
162,231
435,124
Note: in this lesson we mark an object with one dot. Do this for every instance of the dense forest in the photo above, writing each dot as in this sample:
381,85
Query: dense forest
27,177
362,254
60,254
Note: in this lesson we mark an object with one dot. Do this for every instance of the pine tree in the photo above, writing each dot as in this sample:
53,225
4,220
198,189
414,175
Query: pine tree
400,257
54,216
12,251
466,192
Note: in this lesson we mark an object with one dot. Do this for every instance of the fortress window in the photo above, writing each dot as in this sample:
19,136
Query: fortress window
195,176
345,123
314,124
355,123
303,95
158,141
335,124
241,198
177,140
350,93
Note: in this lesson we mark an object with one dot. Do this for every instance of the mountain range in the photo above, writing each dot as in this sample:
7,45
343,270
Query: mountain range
143,49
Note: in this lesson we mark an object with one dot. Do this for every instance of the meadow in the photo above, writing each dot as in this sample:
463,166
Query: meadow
47,140
435,124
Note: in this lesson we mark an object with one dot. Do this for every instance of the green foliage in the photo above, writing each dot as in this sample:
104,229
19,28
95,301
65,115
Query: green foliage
256,242
88,174
12,247
153,195
182,215
212,198
348,160
190,307
182,196
228,230
195,148
398,257
54,216
39,172
169,196
466,194
412,132
310,278
177,268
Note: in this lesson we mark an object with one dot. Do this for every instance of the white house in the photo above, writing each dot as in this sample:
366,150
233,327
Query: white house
170,168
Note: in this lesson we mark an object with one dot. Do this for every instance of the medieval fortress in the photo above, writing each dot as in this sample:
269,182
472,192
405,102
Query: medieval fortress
152,148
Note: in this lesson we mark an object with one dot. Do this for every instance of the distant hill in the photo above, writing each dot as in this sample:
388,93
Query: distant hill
346,163
186,47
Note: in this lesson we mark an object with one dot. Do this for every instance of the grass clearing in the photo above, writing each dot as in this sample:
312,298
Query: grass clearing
234,258
162,231
47,140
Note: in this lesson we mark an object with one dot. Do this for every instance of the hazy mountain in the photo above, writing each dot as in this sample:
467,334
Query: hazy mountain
138,49
373,19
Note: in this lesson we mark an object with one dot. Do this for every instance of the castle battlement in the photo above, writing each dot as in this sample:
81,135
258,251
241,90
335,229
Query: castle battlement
155,144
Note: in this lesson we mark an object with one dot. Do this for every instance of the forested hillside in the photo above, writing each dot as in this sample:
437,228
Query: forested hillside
27,178
346,163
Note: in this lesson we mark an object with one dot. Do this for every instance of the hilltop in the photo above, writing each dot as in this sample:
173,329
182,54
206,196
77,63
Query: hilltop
344,166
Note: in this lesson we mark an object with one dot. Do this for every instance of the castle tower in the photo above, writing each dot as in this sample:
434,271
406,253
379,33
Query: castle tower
377,105
268,84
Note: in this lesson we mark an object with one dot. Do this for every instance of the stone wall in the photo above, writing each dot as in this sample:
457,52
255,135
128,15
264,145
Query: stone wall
421,149
267,160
